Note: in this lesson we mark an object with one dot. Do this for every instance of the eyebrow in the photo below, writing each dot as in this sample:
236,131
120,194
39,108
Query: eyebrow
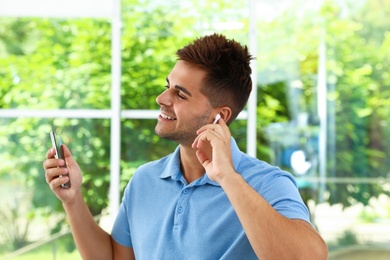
186,91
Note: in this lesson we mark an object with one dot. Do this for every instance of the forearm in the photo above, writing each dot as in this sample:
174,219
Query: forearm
271,235
91,240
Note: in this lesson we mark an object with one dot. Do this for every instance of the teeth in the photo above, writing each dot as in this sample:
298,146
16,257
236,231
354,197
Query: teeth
167,117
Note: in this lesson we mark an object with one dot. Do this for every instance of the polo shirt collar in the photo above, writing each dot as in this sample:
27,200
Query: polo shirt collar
172,168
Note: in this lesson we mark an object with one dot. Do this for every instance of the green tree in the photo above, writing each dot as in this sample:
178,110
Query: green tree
65,64
357,55
56,63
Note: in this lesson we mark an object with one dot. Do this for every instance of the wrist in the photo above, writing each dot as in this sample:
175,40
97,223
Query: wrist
227,177
73,202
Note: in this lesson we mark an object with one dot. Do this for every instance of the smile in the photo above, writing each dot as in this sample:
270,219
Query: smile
167,117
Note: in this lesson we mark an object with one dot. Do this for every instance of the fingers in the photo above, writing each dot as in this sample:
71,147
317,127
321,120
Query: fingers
221,125
54,169
203,158
50,153
206,135
55,173
51,162
56,180
68,156
211,133
66,150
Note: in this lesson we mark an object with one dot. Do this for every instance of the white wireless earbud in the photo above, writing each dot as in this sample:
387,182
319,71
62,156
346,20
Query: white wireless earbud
218,116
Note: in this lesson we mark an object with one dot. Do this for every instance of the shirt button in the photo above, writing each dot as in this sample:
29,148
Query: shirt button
180,210
185,191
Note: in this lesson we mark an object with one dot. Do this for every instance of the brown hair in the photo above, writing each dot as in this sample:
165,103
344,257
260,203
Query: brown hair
227,65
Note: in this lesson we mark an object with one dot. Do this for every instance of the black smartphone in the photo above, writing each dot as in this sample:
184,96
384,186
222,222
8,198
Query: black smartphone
57,145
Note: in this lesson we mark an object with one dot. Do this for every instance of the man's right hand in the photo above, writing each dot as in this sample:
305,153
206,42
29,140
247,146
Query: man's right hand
54,168
91,240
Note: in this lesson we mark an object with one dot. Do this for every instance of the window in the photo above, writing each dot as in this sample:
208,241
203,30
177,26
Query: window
320,109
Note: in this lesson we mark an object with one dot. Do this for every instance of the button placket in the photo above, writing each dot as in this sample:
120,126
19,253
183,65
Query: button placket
181,206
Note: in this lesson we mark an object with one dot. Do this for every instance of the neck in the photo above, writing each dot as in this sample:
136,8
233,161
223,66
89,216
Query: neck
190,166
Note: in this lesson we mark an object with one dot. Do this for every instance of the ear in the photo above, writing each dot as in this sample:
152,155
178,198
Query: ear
226,113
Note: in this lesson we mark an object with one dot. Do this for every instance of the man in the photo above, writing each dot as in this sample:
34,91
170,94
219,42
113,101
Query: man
206,200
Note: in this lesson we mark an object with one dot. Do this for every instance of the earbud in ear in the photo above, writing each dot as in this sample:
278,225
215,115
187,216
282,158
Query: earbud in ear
217,117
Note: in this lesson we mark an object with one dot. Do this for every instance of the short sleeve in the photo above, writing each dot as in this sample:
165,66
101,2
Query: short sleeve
281,192
121,229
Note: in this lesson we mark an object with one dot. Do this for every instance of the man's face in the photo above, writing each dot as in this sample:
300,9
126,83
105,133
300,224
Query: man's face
183,108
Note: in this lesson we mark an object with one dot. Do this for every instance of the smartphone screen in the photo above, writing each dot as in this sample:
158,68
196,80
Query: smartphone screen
57,145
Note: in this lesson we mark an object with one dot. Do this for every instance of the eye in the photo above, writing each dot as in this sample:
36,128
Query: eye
180,95
178,92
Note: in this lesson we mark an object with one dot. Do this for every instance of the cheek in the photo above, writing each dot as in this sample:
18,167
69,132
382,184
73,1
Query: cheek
194,113
194,118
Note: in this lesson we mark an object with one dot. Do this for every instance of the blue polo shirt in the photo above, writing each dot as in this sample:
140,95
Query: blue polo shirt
164,217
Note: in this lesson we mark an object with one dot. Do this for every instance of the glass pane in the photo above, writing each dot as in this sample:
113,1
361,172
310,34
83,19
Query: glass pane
55,63
29,211
358,231
154,30
349,201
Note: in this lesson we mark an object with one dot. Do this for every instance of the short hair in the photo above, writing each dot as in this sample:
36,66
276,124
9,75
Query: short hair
228,73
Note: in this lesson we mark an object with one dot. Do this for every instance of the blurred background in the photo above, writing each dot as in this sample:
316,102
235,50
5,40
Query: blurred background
91,71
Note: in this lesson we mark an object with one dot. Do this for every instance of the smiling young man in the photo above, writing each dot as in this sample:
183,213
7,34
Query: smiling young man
206,200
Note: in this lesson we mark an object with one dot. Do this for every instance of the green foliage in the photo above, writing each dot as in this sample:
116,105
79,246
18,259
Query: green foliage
62,248
357,68
15,224
66,64
358,87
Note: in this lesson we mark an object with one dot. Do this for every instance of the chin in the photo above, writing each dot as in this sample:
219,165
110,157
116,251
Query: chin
165,135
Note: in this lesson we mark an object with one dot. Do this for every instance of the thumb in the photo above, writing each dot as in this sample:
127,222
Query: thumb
202,158
67,155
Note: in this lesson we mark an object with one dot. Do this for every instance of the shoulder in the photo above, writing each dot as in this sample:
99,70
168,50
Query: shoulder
251,167
276,186
259,173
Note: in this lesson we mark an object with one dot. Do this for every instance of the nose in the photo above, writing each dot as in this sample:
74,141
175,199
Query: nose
164,98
